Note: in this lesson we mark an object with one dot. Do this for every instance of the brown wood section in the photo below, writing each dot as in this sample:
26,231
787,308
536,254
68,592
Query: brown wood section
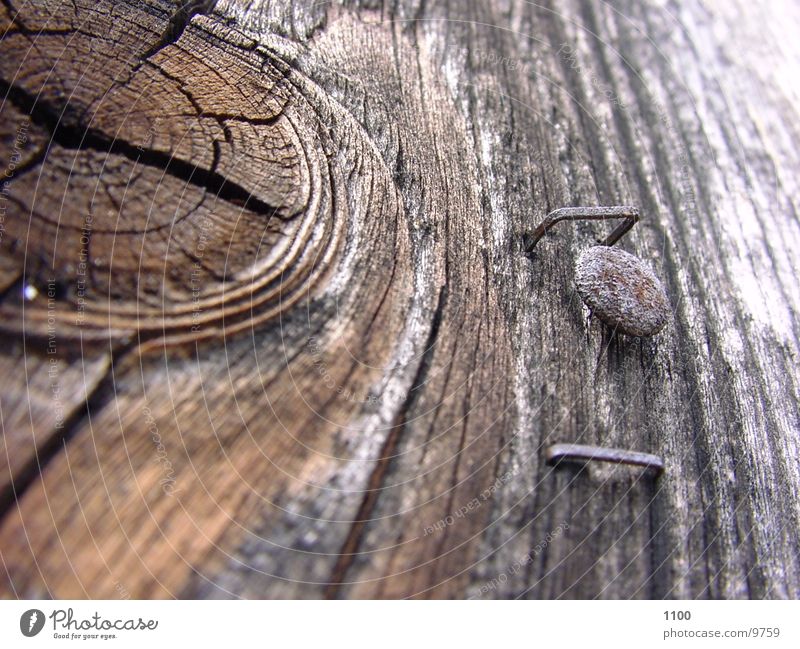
269,329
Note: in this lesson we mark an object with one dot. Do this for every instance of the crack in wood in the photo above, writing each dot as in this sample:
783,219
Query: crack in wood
349,550
186,10
70,135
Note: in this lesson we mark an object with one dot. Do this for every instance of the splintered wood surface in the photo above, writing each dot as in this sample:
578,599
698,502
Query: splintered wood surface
269,331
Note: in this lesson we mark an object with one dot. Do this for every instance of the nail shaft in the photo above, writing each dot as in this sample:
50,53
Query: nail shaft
581,452
628,213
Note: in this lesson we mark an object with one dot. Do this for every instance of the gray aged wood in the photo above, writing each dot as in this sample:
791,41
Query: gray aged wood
277,249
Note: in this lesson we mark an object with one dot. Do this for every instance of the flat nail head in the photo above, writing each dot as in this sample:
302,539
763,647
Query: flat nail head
622,291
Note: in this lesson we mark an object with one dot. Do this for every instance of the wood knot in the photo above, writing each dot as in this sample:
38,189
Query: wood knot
186,197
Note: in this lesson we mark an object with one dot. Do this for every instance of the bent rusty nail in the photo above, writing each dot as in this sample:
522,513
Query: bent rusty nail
629,214
582,452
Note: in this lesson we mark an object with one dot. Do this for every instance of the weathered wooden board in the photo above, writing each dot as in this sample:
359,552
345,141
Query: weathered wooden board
306,355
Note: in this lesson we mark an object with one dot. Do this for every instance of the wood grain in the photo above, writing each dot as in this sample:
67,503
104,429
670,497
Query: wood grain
306,352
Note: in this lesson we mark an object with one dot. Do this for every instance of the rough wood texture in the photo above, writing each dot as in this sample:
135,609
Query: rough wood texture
278,251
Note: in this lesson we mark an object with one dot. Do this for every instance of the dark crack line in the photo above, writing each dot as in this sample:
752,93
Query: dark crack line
16,20
69,134
33,470
187,9
352,543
